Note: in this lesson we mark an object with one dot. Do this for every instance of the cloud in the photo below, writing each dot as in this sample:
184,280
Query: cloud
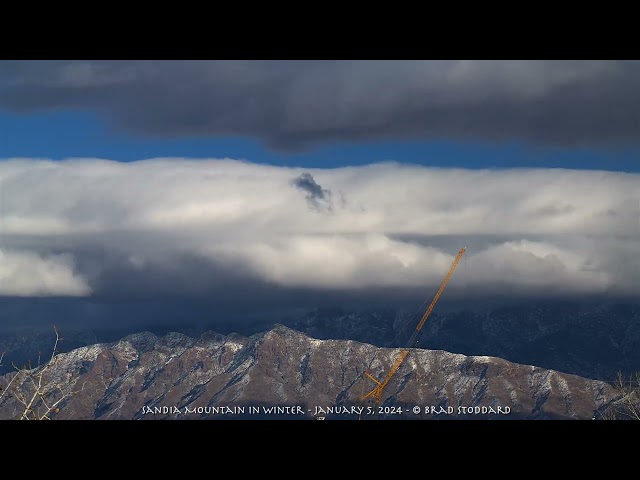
28,274
239,232
317,197
297,104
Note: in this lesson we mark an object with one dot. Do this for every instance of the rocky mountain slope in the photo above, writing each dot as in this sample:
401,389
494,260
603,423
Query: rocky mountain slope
283,373
593,341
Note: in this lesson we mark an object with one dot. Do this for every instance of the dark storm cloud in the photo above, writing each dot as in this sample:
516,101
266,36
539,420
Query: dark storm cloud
296,104
317,197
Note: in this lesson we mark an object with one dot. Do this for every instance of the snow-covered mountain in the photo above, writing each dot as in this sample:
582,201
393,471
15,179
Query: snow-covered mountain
593,341
282,373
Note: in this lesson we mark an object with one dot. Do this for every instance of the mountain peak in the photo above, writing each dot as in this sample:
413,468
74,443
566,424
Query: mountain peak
282,367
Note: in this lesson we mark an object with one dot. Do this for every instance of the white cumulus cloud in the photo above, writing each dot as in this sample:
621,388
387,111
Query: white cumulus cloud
28,274
384,225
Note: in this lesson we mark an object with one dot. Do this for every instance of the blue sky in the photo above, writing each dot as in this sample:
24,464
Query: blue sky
69,133
115,228
473,114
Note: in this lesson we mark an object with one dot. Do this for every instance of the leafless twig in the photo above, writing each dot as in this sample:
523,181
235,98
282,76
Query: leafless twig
34,389
628,405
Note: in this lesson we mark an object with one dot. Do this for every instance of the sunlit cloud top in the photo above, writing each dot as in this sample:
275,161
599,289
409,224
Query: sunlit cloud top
79,227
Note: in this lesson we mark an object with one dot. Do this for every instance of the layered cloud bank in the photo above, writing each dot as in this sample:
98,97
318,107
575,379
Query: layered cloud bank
295,104
83,227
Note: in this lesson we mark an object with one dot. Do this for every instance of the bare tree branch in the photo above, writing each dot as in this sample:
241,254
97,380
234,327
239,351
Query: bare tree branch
628,405
33,387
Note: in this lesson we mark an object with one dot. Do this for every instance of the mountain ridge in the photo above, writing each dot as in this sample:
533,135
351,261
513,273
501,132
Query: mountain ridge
143,376
590,340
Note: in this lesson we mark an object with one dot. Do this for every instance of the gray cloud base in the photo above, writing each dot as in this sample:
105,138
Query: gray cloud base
298,104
